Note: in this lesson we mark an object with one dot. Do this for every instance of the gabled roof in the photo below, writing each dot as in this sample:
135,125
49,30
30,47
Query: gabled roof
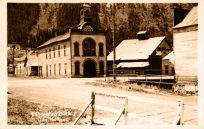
134,49
190,19
32,60
22,58
170,57
56,39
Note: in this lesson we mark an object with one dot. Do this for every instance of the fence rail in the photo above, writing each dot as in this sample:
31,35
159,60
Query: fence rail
178,120
122,112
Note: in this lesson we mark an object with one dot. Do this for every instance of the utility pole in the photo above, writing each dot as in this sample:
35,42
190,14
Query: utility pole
114,56
13,60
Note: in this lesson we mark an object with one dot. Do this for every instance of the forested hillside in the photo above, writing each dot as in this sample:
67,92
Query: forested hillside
33,24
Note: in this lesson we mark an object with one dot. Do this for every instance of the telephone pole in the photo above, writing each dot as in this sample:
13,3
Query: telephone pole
13,60
114,56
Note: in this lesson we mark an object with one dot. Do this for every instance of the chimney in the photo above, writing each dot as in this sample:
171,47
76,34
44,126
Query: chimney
142,35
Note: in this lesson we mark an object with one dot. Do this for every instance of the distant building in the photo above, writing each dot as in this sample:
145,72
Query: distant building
17,46
168,64
185,47
81,52
27,65
140,56
19,64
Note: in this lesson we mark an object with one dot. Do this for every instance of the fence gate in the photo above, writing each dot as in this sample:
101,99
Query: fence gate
91,103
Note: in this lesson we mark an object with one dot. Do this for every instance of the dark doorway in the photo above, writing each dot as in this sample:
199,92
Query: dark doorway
89,68
34,71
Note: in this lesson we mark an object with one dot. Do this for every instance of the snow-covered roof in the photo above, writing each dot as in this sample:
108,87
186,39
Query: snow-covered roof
22,58
56,39
132,64
142,32
134,49
170,57
190,19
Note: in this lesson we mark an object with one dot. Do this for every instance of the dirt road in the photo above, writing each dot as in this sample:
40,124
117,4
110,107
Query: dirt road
74,93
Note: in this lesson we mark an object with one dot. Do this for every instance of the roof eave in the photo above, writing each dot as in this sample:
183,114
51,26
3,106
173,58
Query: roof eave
42,46
179,27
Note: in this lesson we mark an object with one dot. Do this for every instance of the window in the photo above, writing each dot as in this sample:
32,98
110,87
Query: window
50,71
50,53
54,52
166,69
59,50
101,68
77,68
76,49
59,69
88,28
47,70
46,53
65,69
64,50
54,69
89,47
172,71
100,49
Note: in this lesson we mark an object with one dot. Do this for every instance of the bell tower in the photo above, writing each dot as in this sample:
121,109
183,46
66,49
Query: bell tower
85,14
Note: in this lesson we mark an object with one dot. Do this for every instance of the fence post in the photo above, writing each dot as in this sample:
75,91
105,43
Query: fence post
92,107
105,77
180,112
125,113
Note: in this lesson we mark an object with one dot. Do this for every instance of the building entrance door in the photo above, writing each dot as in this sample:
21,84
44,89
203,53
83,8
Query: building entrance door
89,68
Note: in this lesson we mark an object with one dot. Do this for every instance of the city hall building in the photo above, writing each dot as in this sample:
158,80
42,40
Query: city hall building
81,52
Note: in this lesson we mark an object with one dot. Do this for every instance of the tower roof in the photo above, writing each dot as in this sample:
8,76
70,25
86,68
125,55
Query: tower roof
86,5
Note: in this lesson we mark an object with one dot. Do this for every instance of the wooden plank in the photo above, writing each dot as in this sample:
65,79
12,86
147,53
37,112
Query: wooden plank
179,116
176,121
125,115
82,112
109,95
92,107
119,115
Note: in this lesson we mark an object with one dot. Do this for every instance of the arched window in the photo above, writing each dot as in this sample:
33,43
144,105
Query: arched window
76,49
101,68
100,49
77,68
89,47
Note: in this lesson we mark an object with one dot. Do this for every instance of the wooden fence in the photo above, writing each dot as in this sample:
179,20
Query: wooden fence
91,103
178,120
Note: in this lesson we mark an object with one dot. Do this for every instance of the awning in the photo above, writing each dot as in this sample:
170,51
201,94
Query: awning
132,64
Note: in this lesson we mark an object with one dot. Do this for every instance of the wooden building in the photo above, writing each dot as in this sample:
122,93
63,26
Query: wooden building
27,65
168,64
185,47
140,56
